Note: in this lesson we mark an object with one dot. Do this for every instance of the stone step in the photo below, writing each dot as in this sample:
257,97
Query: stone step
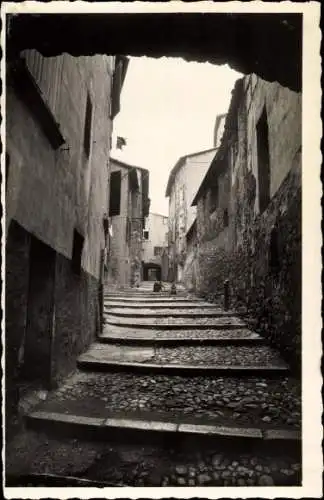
176,338
43,459
151,297
44,480
136,292
168,323
159,304
256,402
146,312
189,361
147,430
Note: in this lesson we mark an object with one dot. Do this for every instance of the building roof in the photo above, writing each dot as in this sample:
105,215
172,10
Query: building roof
126,165
159,215
178,166
220,155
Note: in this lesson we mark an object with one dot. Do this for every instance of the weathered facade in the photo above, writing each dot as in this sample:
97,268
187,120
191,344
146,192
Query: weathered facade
155,248
128,207
249,212
59,114
191,269
182,184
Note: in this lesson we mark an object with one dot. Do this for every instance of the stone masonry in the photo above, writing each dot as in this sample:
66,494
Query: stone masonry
257,250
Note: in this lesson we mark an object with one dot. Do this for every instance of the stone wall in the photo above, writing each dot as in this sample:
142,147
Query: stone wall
51,192
76,316
259,252
42,357
17,279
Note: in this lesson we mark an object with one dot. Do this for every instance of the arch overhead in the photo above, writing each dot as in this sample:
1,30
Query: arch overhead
268,45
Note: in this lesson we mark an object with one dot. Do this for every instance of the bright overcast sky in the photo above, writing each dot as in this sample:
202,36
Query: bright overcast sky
168,109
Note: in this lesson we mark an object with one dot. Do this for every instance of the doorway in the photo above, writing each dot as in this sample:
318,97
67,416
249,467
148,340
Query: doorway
37,344
151,272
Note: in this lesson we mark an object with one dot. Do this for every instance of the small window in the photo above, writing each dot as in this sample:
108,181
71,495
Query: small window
78,242
157,251
115,193
128,229
225,218
87,127
145,235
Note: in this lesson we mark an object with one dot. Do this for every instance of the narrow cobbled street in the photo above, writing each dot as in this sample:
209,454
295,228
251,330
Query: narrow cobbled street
175,392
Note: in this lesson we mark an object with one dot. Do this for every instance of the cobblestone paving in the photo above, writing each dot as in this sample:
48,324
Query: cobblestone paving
172,311
148,465
225,356
222,355
230,400
164,305
209,322
178,334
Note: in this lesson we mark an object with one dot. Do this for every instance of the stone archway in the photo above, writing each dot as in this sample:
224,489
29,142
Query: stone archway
152,272
269,45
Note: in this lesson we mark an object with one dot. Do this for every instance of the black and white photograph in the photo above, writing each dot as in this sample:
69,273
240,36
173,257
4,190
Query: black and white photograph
161,235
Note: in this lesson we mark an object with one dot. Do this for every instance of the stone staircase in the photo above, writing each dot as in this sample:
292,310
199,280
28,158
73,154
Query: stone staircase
175,392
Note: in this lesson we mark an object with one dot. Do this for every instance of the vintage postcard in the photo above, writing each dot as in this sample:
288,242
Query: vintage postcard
161,242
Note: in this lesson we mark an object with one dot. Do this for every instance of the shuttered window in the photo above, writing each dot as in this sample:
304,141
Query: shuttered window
87,127
115,193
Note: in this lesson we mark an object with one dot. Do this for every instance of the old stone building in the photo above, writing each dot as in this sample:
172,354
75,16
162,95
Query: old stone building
155,248
249,211
59,113
128,207
182,184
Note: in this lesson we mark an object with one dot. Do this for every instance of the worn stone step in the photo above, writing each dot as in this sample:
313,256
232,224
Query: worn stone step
146,312
144,293
159,304
268,404
151,298
44,459
168,323
44,479
190,361
176,338
147,430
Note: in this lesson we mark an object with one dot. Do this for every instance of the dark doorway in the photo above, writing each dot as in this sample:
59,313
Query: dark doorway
38,337
151,272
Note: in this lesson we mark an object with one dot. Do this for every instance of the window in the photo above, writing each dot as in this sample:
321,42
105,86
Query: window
78,241
128,229
115,192
145,235
157,251
87,127
213,197
263,161
225,218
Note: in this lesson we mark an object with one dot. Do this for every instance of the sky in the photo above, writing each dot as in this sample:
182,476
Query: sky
168,110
